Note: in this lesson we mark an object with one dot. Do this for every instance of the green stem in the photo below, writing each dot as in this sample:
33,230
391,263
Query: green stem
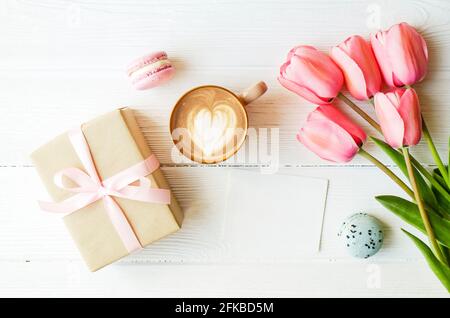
360,112
430,178
434,153
423,213
421,168
441,181
387,171
393,176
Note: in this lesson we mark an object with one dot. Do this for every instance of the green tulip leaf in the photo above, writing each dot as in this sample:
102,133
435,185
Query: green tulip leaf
441,271
444,204
438,176
445,250
409,212
425,191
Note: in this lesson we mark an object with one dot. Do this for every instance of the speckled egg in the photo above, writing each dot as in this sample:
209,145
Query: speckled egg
362,235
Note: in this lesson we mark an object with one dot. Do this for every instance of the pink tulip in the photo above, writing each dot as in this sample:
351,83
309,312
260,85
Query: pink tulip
311,74
355,58
402,55
399,115
331,135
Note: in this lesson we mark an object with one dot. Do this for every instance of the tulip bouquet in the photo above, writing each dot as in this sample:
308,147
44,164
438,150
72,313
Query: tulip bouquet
380,71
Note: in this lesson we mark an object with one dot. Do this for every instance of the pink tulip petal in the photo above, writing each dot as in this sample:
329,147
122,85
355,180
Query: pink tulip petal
409,110
301,50
378,42
354,77
361,52
328,140
302,91
394,96
424,47
311,74
397,82
390,120
317,72
323,65
332,113
405,50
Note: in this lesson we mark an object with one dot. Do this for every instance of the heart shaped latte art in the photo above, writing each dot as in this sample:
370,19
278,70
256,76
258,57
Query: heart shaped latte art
212,129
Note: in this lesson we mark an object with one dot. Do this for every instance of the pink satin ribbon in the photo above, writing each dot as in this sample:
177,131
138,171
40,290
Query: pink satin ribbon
91,188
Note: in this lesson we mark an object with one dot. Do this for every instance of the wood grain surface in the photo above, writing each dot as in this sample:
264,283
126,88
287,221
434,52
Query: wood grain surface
63,62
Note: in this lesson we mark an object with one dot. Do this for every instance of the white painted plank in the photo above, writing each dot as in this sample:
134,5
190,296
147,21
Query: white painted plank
62,62
45,115
95,34
75,70
26,233
311,279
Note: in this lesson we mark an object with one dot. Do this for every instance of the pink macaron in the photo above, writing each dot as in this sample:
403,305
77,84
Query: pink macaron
150,70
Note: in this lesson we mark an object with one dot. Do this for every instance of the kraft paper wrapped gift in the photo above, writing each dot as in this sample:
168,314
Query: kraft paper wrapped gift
115,143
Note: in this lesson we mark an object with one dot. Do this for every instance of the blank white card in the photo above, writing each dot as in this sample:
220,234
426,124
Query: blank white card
274,216
240,215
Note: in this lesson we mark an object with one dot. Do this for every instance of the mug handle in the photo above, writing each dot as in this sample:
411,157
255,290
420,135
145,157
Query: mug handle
253,92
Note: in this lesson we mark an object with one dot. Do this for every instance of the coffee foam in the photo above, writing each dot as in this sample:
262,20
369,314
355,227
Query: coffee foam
213,124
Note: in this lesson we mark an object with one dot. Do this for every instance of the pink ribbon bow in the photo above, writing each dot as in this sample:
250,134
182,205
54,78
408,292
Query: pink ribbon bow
90,188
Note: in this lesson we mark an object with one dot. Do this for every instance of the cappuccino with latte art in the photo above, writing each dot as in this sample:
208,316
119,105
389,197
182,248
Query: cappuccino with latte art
209,123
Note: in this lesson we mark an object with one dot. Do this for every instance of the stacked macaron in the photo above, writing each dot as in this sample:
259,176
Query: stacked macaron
150,70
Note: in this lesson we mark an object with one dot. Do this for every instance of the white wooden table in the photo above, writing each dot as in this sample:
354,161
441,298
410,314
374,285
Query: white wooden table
62,62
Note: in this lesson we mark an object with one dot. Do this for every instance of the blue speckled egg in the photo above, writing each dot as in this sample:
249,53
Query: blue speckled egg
362,235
